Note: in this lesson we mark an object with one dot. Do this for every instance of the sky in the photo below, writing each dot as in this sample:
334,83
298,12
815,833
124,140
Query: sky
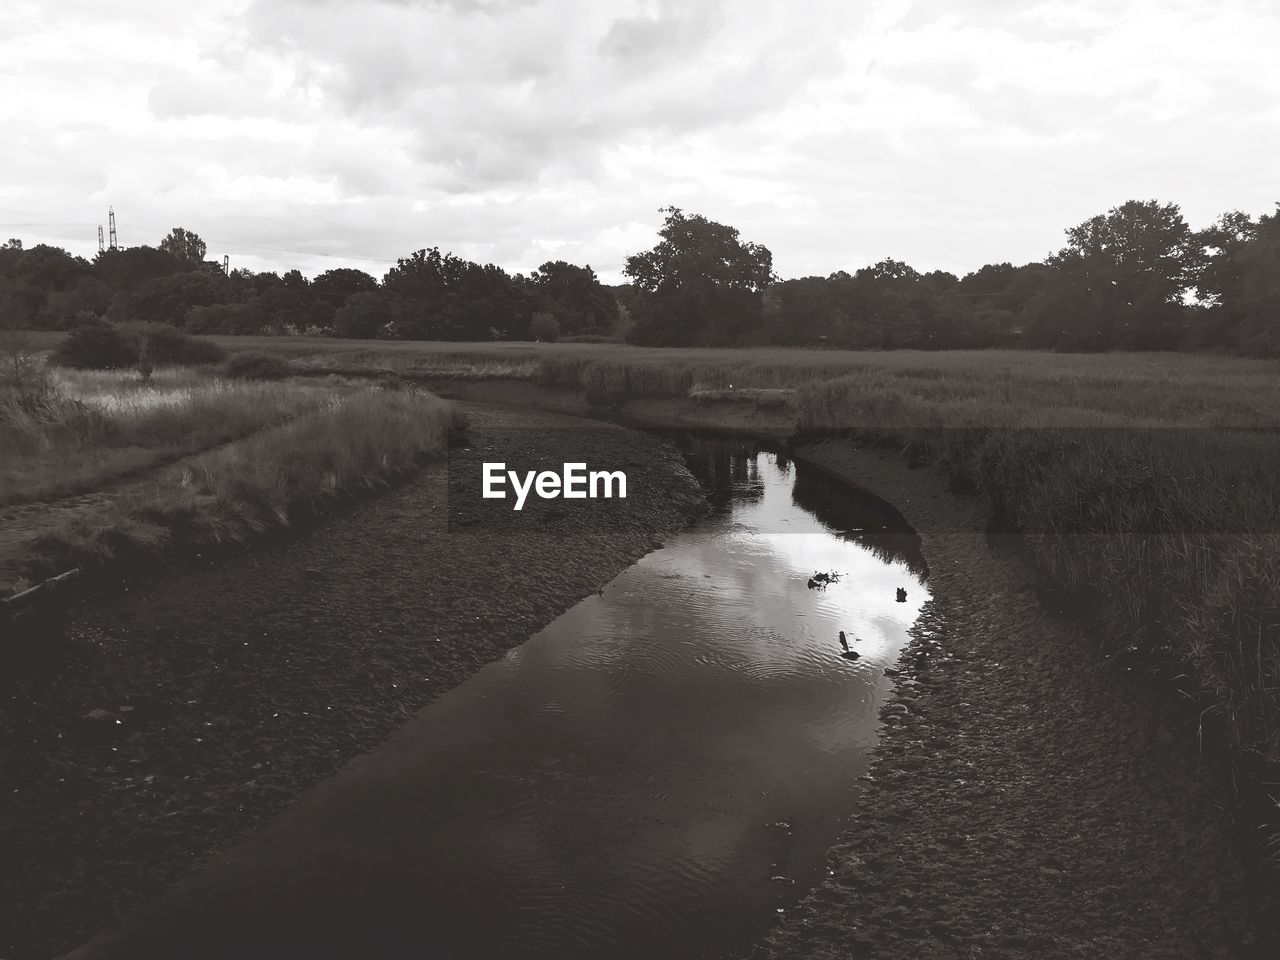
325,133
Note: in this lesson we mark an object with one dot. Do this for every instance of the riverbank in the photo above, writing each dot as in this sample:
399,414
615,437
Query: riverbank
194,707
1026,798
1029,796
1083,769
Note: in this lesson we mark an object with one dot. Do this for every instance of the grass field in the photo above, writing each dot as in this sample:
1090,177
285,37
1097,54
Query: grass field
1006,386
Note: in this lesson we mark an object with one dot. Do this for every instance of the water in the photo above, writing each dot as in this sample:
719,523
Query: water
654,774
663,767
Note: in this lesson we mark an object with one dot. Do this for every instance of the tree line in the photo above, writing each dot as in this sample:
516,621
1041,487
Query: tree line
1136,277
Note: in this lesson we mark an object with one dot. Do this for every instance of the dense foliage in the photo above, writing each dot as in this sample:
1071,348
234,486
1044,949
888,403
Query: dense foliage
1137,277
99,345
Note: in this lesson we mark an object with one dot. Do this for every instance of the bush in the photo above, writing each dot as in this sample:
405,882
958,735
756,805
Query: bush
168,347
99,345
96,346
545,327
253,365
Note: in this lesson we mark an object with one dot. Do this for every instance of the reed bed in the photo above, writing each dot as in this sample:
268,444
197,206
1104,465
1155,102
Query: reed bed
351,445
77,431
1157,510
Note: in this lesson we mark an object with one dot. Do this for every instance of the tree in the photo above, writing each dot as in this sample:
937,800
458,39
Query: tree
575,296
1133,264
545,328
1222,249
694,250
87,295
126,269
49,269
240,317
423,275
336,285
167,299
184,245
1136,251
437,295
362,316
1257,304
700,284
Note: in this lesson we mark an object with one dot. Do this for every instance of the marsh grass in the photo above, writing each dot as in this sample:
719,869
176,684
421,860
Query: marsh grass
1157,504
347,447
87,429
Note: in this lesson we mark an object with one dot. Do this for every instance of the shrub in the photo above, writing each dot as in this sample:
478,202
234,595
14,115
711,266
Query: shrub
96,346
254,365
544,327
168,347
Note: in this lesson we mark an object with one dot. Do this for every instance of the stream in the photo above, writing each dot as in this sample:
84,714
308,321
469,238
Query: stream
662,768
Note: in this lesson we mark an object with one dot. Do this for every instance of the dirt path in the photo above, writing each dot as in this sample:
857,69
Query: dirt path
224,693
1027,799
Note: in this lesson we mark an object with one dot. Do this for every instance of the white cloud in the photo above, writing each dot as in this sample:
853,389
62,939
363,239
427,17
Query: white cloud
305,131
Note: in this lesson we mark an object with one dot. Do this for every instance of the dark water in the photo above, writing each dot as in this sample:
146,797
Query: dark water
662,768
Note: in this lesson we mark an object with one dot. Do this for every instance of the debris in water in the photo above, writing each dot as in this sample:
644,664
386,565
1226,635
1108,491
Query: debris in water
821,580
902,595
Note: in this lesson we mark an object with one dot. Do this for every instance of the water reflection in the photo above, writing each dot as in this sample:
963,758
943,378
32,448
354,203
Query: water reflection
729,468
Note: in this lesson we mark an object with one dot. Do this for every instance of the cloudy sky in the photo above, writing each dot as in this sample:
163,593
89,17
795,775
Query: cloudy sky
321,133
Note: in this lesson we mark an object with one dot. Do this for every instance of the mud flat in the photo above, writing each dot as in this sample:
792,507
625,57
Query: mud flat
1026,798
193,708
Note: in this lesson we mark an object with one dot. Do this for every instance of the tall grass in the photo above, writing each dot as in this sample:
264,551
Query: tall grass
274,479
1141,501
89,428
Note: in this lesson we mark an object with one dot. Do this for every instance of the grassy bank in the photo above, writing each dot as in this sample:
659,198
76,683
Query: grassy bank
1156,516
272,479
73,431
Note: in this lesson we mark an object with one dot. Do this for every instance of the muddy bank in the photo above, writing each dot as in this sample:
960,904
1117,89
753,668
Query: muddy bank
193,708
1026,799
